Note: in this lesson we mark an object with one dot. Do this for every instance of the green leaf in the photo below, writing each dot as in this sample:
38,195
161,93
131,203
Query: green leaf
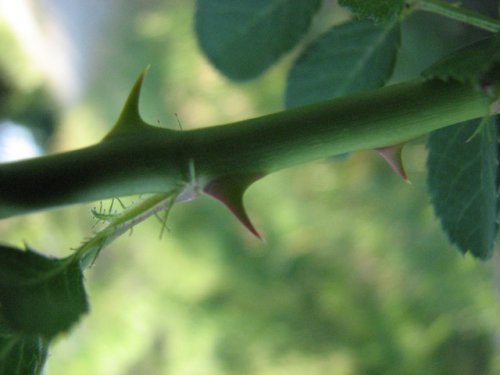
349,58
462,181
242,38
21,355
473,63
39,295
378,10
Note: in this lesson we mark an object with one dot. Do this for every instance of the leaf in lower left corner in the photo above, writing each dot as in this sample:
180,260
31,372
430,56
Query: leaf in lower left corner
20,354
39,296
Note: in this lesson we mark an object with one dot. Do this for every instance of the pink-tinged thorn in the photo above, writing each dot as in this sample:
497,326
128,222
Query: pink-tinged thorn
229,190
393,156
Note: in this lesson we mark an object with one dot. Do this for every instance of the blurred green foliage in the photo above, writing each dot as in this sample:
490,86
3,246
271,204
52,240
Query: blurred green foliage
354,275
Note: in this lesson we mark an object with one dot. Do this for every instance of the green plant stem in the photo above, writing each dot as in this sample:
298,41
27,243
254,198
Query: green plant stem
132,216
459,14
160,160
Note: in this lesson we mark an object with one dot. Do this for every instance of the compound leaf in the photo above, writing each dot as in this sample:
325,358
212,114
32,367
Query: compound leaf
39,296
349,58
462,181
378,10
242,38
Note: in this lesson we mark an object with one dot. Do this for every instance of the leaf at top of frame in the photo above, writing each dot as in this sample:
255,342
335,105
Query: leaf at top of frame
377,10
353,57
242,38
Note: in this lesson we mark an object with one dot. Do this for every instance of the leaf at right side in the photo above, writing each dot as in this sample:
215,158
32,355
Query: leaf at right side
242,38
349,58
462,179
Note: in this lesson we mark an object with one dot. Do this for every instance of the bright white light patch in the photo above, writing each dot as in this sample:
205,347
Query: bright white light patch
16,142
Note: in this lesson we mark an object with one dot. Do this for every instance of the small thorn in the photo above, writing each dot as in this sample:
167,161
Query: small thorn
229,190
392,155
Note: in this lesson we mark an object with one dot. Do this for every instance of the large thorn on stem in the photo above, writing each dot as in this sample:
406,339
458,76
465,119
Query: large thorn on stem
229,190
392,155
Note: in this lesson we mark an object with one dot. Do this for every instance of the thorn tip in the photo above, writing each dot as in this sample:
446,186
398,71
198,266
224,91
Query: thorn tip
392,155
229,190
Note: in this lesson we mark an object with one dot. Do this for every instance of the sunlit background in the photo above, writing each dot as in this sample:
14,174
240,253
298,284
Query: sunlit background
354,275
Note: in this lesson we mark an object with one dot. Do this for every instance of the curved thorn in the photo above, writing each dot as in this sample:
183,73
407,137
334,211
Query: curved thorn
392,155
229,190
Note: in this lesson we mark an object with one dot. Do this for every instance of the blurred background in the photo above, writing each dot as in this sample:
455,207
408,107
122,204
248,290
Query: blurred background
354,275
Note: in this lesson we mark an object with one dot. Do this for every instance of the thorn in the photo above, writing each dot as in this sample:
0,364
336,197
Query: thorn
131,108
392,155
130,119
229,190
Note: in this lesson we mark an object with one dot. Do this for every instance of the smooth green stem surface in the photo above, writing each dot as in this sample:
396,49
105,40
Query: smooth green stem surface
160,160
459,14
